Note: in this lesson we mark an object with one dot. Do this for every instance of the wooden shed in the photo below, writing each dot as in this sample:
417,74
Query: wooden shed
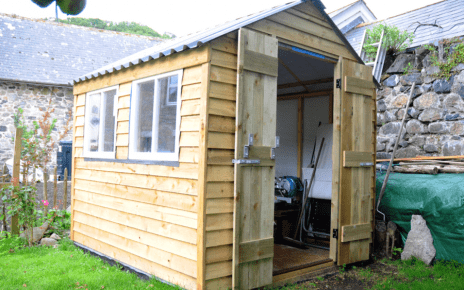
175,154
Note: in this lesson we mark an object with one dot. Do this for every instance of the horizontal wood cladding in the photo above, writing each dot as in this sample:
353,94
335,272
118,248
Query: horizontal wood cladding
161,65
135,261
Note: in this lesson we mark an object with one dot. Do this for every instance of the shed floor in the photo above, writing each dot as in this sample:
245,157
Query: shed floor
288,258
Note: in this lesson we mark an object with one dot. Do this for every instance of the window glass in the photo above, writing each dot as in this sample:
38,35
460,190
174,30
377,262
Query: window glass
145,116
167,115
110,121
92,134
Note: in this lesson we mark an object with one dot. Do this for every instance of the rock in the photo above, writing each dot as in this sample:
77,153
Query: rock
407,152
409,79
426,62
37,233
390,128
417,141
457,128
400,114
441,86
455,138
383,93
430,148
458,68
419,243
48,242
383,155
430,115
399,101
55,237
452,148
420,54
381,106
452,117
426,87
413,112
428,100
438,128
415,127
380,146
380,119
68,209
400,63
392,81
453,101
390,116
458,88
403,144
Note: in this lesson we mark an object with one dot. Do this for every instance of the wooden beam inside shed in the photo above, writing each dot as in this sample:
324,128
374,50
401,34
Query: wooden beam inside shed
308,83
294,75
305,95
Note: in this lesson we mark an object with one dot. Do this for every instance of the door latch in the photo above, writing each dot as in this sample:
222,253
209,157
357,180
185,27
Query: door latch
338,83
335,234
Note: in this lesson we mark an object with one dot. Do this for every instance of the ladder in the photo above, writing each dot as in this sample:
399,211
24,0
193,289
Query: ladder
379,60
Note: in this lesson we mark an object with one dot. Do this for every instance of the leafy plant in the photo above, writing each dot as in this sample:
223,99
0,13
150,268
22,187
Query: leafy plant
453,59
408,68
342,269
394,40
70,7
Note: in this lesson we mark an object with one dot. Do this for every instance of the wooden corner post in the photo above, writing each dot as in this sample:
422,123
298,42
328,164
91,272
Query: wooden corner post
16,171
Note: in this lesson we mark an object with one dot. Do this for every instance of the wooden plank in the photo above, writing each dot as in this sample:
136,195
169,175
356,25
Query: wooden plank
221,107
359,86
218,238
306,16
79,121
185,171
79,141
222,91
298,84
122,153
166,199
189,155
123,115
168,184
331,108
137,262
260,63
124,102
190,124
192,75
221,221
301,275
190,107
220,173
79,132
219,190
220,283
225,44
125,89
80,111
221,140
355,159
153,226
188,58
164,214
223,75
78,152
293,96
191,92
299,160
310,9
224,59
221,124
219,205
256,250
356,232
122,140
220,157
336,162
80,100
123,127
217,270
202,176
189,139
219,254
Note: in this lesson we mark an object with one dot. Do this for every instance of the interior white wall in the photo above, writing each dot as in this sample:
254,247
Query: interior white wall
315,110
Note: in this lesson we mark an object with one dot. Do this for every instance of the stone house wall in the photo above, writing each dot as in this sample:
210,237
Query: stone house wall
434,124
31,98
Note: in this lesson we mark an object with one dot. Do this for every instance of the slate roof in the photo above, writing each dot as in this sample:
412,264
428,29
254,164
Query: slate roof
53,53
197,39
448,14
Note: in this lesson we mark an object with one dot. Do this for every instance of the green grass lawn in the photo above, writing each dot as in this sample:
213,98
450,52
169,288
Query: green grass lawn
66,267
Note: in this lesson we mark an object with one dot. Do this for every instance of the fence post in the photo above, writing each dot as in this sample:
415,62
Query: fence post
65,187
4,222
55,179
45,192
16,169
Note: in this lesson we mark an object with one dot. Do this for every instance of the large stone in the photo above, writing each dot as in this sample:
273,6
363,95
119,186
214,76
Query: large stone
419,243
381,106
438,128
399,101
441,86
401,62
452,148
48,242
415,127
383,93
426,62
390,116
409,79
426,87
383,155
457,128
458,68
458,88
453,101
380,146
418,141
430,115
380,119
392,81
392,128
37,232
420,54
452,117
428,100
55,237
413,112
408,152
431,148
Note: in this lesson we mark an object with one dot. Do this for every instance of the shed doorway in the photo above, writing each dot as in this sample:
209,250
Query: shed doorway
304,119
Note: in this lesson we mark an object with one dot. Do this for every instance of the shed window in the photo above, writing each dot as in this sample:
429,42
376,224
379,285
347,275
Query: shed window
100,123
155,118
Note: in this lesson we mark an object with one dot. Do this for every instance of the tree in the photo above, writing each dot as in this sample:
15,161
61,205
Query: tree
69,7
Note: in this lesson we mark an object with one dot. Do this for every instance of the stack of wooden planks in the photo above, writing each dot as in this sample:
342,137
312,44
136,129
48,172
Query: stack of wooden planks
427,165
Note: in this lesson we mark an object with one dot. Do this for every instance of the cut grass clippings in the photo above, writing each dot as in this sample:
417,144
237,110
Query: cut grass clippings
66,267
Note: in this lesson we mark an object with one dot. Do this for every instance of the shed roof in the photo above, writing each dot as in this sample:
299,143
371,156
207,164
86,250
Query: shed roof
448,15
197,39
39,51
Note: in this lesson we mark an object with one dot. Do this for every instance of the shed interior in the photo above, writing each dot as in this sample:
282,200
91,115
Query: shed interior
305,83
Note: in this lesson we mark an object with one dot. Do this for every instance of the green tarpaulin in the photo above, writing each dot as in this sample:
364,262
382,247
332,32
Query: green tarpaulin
439,199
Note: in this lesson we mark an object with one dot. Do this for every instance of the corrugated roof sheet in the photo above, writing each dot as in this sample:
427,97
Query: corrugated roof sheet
448,14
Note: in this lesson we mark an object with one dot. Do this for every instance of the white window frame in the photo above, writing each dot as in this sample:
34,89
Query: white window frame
133,120
100,153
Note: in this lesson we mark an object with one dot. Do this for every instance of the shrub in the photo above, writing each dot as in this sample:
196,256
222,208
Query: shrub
394,40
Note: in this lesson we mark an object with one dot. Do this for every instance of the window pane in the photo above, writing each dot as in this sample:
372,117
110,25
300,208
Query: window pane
93,121
108,129
144,115
167,115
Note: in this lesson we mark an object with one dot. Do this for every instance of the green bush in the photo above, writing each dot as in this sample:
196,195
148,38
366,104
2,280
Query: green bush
394,40
453,59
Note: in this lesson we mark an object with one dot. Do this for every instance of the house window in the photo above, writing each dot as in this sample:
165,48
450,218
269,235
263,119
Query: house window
155,118
100,123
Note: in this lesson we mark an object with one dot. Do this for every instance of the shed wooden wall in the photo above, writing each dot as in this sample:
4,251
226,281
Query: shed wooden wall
144,215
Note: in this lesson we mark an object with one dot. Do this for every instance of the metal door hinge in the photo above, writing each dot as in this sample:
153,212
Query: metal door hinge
338,83
335,234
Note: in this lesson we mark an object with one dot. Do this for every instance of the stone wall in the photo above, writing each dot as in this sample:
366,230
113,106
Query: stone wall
434,123
31,98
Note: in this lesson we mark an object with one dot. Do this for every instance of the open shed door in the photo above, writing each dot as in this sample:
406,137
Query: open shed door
253,248
354,85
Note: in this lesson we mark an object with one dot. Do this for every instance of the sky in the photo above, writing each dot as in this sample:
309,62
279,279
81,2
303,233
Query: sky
182,17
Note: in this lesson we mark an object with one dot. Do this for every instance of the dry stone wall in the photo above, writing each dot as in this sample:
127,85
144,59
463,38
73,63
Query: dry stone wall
31,98
434,123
